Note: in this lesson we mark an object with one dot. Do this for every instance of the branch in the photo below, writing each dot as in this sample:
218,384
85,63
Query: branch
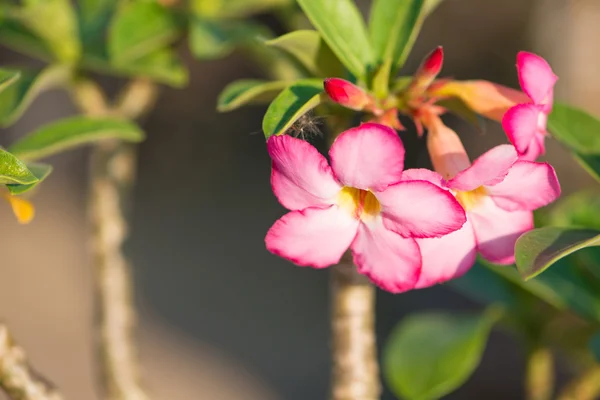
16,377
355,369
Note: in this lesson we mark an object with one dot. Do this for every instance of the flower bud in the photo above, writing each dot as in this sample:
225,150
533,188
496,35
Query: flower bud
347,94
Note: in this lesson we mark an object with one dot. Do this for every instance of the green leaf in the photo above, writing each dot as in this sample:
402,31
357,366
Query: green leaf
307,47
430,355
16,36
40,171
94,17
430,6
575,128
247,91
72,132
538,249
235,8
17,97
590,163
56,23
581,209
13,170
594,345
138,29
341,26
292,103
7,78
394,26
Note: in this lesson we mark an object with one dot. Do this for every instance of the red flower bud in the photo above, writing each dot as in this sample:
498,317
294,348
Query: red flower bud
347,94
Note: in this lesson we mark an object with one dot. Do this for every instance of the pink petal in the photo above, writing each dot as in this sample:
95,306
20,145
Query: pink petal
446,150
370,156
521,124
447,257
300,176
536,77
423,174
536,148
497,230
420,209
488,169
528,186
312,237
392,262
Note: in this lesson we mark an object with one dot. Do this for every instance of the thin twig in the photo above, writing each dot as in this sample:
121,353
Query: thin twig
539,377
355,369
17,378
112,177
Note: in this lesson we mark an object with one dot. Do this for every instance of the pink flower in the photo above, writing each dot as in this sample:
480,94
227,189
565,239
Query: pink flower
525,124
348,94
498,193
359,202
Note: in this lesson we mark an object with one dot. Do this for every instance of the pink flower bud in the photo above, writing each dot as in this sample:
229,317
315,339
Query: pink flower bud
347,94
431,65
446,150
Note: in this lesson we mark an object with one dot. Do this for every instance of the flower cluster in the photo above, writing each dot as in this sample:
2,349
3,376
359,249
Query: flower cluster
410,229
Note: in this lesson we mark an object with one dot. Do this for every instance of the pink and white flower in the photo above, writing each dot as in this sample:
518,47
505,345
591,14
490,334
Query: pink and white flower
359,202
525,124
498,192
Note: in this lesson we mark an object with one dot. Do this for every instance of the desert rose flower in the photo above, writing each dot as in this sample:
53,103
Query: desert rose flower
525,124
498,193
359,202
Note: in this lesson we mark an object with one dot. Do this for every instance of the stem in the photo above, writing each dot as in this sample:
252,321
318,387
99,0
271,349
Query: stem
584,387
17,379
112,177
355,369
539,378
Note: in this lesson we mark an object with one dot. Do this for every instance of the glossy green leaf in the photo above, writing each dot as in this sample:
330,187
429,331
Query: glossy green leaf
138,29
590,163
575,128
341,26
17,97
72,132
394,26
307,47
430,355
538,249
292,103
13,170
40,171
247,91
55,22
7,78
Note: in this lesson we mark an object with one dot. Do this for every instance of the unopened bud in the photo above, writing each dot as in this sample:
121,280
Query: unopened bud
347,94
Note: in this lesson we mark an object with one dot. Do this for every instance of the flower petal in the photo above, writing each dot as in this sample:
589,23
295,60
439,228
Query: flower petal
447,257
528,186
536,77
521,125
392,262
300,176
489,169
536,148
420,209
370,156
497,230
312,237
423,174
446,150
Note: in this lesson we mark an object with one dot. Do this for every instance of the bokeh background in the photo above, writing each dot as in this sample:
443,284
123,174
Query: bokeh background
220,317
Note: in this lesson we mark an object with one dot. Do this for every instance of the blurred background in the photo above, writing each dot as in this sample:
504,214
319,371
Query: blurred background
220,317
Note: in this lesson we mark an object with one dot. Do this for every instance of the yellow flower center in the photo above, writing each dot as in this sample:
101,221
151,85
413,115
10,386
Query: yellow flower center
361,204
471,199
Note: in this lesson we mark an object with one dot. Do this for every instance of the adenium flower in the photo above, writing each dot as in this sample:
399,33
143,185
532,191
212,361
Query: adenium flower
498,193
525,124
359,202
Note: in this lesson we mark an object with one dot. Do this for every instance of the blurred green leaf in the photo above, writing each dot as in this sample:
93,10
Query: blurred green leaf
17,97
13,170
307,47
538,249
590,163
575,128
16,36
235,8
292,103
594,346
139,29
430,6
246,91
72,132
40,171
55,22
430,355
394,26
581,209
341,26
94,17
7,78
